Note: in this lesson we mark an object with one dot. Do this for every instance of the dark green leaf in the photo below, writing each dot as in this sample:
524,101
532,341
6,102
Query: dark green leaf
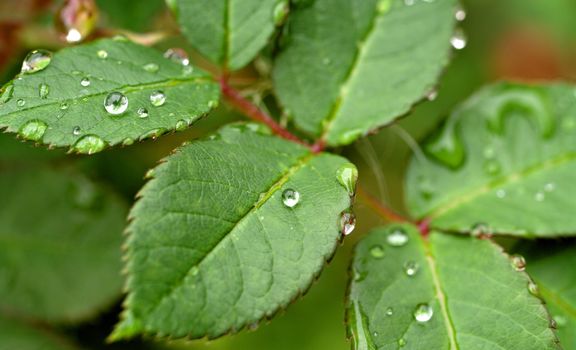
352,66
448,292
63,104
60,241
17,336
228,32
506,160
551,266
213,248
131,14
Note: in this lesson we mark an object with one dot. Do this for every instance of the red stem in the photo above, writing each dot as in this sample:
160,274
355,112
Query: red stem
387,213
254,113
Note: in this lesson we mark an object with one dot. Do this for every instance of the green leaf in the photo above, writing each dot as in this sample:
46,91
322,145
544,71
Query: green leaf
213,248
550,265
130,14
60,244
62,104
18,336
352,66
505,159
460,293
228,32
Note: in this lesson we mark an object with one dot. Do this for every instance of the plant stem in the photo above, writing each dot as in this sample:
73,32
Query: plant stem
388,214
253,112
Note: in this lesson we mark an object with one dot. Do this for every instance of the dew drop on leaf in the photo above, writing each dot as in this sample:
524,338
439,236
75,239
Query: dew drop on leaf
518,262
103,54
384,6
33,130
533,288
348,176
142,112
6,93
481,229
411,268
377,251
290,198
157,98
43,90
281,12
560,320
20,102
397,237
85,82
492,167
89,144
460,14
347,222
36,60
458,40
389,311
181,125
64,106
76,131
177,55
500,193
402,342
539,196
153,134
128,141
423,313
116,103
549,187
151,67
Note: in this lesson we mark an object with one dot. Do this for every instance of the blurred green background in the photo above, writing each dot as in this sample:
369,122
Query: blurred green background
526,40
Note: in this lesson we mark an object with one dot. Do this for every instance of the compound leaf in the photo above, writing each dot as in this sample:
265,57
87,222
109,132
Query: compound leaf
60,100
339,83
511,150
447,292
218,241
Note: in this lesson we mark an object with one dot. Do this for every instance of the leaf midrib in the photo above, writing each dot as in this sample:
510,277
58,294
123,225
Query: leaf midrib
300,163
501,182
125,88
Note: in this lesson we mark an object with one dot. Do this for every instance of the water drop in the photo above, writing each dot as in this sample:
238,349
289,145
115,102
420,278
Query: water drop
181,125
397,237
347,175
402,342
290,198
481,229
432,95
76,131
533,288
281,12
384,6
489,152
389,311
33,130
6,93
560,321
178,56
36,60
212,104
89,144
153,134
409,2
142,112
157,98
128,141
85,82
377,251
500,193
549,187
43,90
116,103
103,54
411,268
458,40
539,196
347,222
423,313
460,14
64,106
492,167
375,334
151,67
518,262
20,102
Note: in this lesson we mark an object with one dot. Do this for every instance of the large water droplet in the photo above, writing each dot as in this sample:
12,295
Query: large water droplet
142,112
177,55
290,198
36,60
397,237
6,93
157,98
411,268
85,82
103,54
347,223
377,251
348,176
33,130
423,313
43,90
151,67
116,103
281,12
518,262
89,144
458,40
